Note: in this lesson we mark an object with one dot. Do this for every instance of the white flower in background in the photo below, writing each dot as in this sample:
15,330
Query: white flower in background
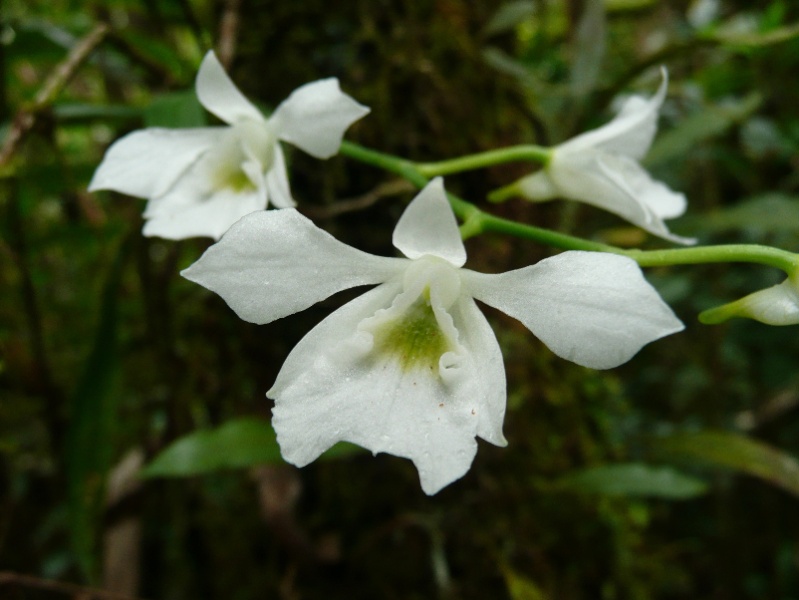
412,367
601,167
777,305
200,181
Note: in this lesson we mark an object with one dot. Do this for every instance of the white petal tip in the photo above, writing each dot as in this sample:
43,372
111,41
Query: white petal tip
315,116
428,226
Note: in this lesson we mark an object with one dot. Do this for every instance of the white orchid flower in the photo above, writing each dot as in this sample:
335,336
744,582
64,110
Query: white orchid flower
200,181
776,305
601,168
412,367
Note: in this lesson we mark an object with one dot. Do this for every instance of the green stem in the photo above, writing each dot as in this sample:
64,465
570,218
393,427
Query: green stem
392,164
475,222
750,253
481,160
482,222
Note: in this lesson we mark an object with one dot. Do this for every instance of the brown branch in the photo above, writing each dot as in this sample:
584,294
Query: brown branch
8,578
389,188
228,32
60,76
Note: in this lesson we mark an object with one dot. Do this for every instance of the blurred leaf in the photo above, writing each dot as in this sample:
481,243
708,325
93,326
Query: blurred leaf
773,212
589,48
705,124
734,36
520,587
762,138
82,112
627,5
156,52
733,451
506,64
237,444
176,109
91,426
634,479
509,15
32,43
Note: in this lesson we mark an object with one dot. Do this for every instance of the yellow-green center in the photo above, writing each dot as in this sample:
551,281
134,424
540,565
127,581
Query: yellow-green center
414,338
234,179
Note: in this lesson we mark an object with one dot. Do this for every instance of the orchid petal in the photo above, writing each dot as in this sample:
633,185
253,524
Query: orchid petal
274,263
148,162
594,309
222,186
428,226
630,133
630,191
220,96
619,185
334,387
195,208
277,181
632,179
586,181
315,116
488,374
210,218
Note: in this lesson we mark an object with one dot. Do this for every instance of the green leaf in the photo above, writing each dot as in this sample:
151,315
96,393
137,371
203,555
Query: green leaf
733,36
703,125
176,109
769,213
733,451
509,15
156,50
39,40
634,479
520,587
589,48
92,420
505,64
612,6
74,111
237,444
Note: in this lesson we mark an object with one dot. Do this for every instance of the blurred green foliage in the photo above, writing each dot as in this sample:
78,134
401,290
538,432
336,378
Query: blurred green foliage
108,354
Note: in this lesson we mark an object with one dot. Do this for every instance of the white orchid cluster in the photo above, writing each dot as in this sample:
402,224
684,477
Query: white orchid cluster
411,367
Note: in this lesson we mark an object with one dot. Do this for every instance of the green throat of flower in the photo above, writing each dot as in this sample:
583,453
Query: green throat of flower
414,338
233,179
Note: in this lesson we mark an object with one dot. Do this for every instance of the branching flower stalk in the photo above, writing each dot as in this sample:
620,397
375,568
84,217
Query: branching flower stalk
476,221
